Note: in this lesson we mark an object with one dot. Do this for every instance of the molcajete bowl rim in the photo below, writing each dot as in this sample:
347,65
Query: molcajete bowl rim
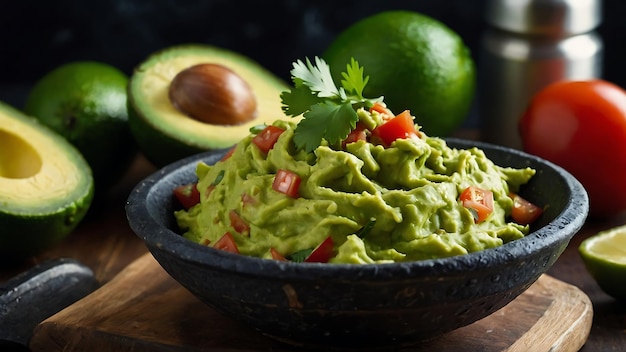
151,193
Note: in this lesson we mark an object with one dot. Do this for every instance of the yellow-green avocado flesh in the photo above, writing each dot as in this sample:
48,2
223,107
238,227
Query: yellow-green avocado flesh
46,186
165,134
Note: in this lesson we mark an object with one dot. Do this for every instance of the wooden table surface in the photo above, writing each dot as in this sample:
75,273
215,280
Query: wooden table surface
105,243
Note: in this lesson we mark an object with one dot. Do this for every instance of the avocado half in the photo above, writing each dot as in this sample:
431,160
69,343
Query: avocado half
46,186
164,133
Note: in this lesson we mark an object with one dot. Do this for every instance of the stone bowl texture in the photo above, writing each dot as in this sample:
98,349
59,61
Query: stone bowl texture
372,306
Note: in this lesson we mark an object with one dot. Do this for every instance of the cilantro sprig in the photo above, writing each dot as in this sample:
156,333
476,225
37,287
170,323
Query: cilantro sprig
328,111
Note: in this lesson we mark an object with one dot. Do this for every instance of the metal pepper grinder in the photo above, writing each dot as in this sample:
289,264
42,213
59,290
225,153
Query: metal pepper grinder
528,44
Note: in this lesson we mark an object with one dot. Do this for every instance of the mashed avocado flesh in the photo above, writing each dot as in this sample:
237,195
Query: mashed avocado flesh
406,195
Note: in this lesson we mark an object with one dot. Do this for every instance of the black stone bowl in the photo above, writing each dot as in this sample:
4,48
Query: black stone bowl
361,306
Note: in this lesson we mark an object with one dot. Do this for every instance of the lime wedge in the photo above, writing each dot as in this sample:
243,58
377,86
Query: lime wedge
604,255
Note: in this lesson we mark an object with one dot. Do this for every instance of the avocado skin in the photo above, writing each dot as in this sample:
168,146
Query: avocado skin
168,149
163,141
24,235
29,230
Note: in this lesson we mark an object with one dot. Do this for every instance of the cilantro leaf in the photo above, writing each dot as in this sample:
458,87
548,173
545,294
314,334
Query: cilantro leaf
298,100
363,231
317,78
301,255
328,111
218,178
354,81
326,120
257,128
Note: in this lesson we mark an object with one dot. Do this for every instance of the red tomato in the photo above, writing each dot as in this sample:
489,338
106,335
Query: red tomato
478,200
581,126
286,182
188,195
524,212
266,139
247,199
382,109
238,223
323,252
276,255
228,153
357,134
401,126
227,243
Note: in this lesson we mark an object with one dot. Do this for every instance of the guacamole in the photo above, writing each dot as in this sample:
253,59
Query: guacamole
377,203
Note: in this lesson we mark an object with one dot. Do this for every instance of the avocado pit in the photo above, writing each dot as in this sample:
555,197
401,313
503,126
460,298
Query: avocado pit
213,94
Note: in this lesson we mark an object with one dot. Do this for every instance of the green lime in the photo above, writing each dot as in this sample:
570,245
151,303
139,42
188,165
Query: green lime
604,255
415,62
85,102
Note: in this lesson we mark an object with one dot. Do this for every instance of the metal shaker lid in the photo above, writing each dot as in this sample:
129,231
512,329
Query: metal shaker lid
547,17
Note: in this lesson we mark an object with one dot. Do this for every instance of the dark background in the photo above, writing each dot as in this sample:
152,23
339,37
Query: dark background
38,36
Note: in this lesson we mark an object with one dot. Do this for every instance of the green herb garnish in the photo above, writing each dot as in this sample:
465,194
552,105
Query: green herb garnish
329,112
363,231
300,256
218,178
256,129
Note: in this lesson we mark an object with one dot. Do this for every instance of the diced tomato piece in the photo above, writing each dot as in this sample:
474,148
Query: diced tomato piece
382,109
238,223
187,195
247,199
276,255
357,134
227,243
286,182
479,200
266,139
399,127
228,153
323,252
524,212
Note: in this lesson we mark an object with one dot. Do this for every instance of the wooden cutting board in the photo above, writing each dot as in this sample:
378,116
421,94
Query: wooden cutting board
144,309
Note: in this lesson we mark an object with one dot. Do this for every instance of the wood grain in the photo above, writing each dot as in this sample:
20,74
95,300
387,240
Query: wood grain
144,309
